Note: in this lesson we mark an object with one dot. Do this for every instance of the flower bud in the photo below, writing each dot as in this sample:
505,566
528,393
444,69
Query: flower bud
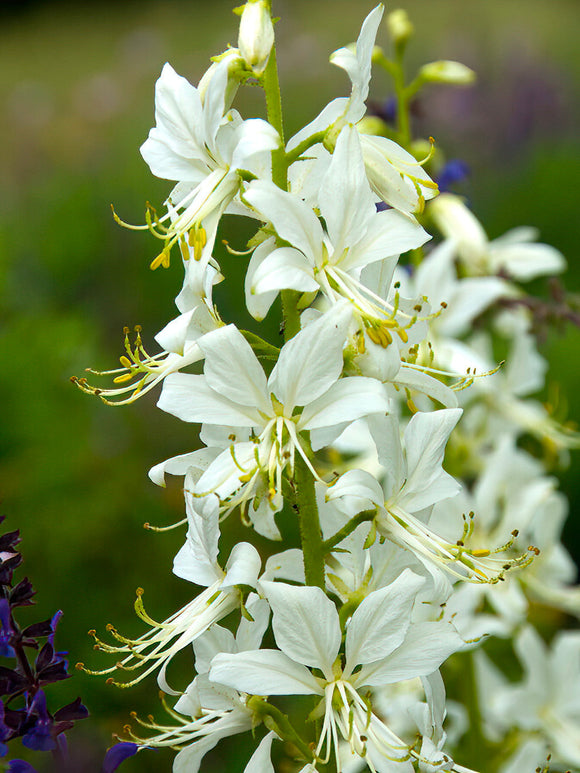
447,71
399,26
256,35
372,124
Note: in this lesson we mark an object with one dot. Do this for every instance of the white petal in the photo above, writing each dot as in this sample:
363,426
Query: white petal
243,566
358,490
214,103
190,758
311,361
258,304
287,565
232,369
305,623
348,399
470,297
251,632
425,647
179,465
425,439
255,136
386,433
293,220
380,623
388,233
284,269
323,121
263,672
190,398
206,647
260,761
358,65
423,382
197,559
222,476
346,201
527,261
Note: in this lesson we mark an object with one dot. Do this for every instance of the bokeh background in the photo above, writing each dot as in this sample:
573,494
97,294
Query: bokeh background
76,101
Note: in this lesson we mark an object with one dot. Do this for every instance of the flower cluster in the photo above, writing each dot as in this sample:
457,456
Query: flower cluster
344,428
24,712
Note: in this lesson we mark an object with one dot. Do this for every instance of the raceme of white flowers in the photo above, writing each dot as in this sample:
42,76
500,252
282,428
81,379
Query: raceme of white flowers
384,430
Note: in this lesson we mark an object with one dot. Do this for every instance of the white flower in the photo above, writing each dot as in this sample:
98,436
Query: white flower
516,253
205,713
195,144
197,563
394,174
546,704
329,261
414,480
234,391
379,637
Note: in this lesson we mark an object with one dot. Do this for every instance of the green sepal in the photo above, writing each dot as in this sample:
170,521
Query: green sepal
262,349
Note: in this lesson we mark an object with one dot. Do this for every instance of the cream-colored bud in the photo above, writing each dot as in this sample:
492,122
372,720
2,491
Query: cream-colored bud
447,71
399,26
256,35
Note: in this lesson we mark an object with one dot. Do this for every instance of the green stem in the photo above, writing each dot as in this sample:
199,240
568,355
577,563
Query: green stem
474,742
294,154
348,528
305,496
275,720
271,85
310,534
280,163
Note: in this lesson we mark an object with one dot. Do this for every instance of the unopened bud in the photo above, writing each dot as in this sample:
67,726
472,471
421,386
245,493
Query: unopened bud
256,35
236,72
399,26
372,124
447,71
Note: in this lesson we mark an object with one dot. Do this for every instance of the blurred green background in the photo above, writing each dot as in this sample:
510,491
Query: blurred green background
76,86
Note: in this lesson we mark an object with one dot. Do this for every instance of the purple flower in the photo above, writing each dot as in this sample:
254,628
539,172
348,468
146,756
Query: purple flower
20,766
118,754
39,736
454,171
6,632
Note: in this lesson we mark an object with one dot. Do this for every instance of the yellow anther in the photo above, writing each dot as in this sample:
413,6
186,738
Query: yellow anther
183,248
402,335
385,336
162,259
125,361
373,334
481,553
411,406
124,377
197,240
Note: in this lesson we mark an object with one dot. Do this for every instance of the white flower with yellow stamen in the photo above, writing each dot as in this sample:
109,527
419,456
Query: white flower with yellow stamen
141,372
204,150
197,563
304,393
380,638
205,713
413,482
330,260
